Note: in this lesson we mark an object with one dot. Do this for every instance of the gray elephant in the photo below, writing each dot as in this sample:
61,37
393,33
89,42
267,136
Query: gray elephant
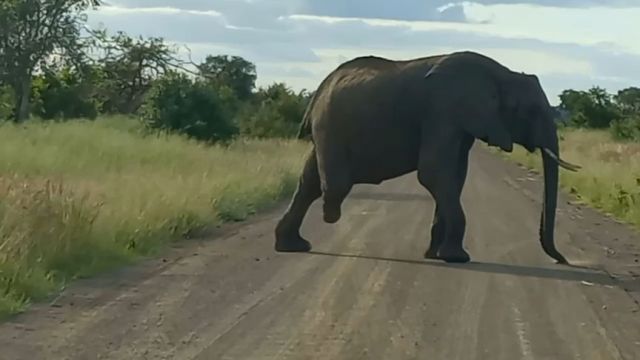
373,119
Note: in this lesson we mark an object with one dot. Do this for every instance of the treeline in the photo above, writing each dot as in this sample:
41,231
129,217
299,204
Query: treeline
598,109
53,67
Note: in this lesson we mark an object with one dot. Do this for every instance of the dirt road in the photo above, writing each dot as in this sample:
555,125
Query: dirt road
365,293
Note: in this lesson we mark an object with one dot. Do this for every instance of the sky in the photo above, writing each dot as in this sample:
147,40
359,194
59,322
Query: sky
568,43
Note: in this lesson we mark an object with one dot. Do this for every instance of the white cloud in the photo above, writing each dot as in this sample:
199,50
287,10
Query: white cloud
117,10
299,42
587,26
615,27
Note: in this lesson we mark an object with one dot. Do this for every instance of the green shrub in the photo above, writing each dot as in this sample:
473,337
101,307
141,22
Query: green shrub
265,121
7,102
627,128
276,112
591,109
66,94
177,103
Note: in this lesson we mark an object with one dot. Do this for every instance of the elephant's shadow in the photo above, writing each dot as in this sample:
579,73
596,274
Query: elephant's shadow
581,274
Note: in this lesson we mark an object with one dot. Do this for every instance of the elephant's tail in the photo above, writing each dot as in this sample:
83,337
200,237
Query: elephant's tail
305,125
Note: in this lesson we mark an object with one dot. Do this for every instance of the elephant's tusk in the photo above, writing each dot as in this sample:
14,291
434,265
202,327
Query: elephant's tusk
562,163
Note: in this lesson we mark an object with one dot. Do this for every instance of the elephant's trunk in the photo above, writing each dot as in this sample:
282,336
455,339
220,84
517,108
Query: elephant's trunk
548,215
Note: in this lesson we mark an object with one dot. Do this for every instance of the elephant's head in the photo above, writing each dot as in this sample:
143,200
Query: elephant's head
502,107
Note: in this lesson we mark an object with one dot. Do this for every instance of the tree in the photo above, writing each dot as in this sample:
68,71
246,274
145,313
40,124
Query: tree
627,128
177,103
232,71
276,112
573,100
68,92
130,67
592,108
7,100
603,111
30,32
628,100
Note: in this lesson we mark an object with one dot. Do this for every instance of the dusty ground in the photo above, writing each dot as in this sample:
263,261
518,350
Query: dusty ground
365,293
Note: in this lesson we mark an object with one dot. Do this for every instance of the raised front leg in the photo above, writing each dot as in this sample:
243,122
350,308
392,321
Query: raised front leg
444,178
335,179
287,232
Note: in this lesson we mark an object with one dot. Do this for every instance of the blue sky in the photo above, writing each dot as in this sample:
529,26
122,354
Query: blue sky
567,43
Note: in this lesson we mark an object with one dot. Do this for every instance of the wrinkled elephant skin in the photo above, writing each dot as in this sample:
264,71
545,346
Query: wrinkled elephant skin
373,119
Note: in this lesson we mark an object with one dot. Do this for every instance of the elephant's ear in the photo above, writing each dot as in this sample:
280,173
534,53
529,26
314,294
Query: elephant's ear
471,99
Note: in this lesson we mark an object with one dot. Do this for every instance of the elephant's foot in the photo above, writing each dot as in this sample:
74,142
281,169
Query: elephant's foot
458,255
331,214
288,240
431,254
292,244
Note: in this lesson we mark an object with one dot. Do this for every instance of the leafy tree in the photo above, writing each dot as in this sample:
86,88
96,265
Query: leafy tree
628,100
232,71
177,103
573,100
130,66
276,112
593,108
627,128
7,101
68,93
604,111
31,31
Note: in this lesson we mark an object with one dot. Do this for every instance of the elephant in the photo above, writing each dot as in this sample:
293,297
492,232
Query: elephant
373,119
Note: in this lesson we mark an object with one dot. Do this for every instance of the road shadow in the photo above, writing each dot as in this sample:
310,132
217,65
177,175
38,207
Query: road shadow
586,274
388,196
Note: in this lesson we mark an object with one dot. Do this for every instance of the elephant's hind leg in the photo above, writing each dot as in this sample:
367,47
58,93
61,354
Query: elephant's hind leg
288,237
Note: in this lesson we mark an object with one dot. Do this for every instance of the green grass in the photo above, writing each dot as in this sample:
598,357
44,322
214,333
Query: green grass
81,197
610,176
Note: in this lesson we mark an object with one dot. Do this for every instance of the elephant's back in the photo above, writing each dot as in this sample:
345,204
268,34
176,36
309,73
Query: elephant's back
360,110
345,92
361,71
369,80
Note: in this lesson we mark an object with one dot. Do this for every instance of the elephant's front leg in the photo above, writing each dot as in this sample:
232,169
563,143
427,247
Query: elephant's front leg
288,237
451,249
444,177
437,235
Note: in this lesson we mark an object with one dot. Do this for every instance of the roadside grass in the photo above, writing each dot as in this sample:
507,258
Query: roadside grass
81,197
610,176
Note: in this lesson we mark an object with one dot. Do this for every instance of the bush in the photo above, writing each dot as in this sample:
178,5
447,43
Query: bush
265,121
591,109
194,108
578,120
627,128
276,112
66,94
7,102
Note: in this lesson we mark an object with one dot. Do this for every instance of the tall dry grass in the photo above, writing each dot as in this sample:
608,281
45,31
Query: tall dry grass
610,176
81,197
